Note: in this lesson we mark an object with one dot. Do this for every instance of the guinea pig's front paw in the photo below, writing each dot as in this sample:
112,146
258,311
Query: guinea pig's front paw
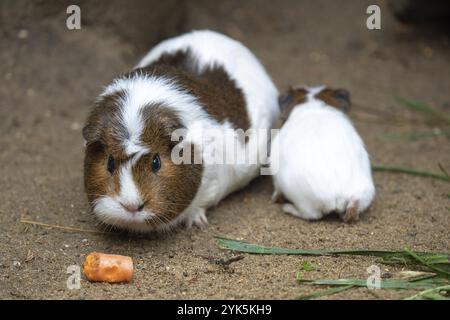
198,218
278,197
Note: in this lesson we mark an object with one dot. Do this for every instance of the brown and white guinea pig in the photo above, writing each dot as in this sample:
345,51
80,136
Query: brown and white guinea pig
198,80
320,162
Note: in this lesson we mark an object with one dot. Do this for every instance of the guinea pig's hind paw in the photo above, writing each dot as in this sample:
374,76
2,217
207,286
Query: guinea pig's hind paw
351,214
198,219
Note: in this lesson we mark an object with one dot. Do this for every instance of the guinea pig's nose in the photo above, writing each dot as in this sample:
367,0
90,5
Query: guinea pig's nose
131,207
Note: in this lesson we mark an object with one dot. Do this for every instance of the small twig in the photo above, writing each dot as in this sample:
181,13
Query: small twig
223,262
71,229
411,171
30,256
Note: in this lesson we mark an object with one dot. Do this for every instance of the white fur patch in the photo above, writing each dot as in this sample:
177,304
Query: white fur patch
323,163
143,91
129,193
110,212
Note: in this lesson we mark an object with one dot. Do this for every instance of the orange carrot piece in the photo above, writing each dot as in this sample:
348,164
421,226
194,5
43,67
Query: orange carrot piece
110,268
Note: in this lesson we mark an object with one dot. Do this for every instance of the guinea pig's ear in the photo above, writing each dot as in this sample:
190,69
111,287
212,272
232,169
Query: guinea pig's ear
97,122
285,99
342,97
105,114
91,131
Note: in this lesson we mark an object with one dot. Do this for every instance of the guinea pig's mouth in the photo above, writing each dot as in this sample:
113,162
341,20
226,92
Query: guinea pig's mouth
110,212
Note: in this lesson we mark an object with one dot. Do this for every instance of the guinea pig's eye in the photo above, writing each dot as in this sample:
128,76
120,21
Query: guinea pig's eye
110,165
156,163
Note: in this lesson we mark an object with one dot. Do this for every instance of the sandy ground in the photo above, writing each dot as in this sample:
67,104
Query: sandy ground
50,76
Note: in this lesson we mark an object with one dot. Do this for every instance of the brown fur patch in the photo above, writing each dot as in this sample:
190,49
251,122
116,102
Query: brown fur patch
103,133
212,86
103,121
288,101
170,190
96,180
338,98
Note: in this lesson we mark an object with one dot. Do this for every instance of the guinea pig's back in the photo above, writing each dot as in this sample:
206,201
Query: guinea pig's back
324,154
212,50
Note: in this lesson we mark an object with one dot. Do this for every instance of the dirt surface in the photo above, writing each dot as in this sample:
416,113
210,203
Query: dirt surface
50,77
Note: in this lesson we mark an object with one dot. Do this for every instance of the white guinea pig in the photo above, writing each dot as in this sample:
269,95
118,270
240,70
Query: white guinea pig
195,82
318,161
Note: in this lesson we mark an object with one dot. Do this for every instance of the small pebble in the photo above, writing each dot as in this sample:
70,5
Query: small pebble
30,92
75,126
23,34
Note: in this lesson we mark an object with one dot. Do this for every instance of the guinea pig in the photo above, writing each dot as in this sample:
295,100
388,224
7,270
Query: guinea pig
322,164
198,80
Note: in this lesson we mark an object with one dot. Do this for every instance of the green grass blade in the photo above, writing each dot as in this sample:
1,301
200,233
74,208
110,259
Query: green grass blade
324,293
441,167
435,261
257,249
307,266
427,262
423,108
412,171
405,258
384,284
241,246
433,294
